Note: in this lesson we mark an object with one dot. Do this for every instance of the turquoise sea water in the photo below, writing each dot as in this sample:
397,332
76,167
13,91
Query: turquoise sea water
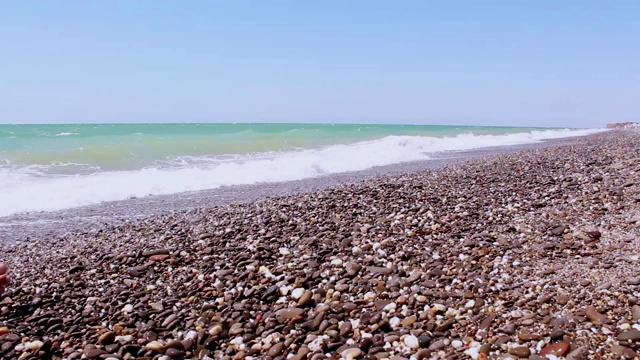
49,167
108,147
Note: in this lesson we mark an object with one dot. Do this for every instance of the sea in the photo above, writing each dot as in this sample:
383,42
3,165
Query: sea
61,166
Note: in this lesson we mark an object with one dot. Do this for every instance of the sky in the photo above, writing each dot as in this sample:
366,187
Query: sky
572,63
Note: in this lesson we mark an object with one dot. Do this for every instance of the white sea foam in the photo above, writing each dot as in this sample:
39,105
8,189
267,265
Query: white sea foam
66,134
27,189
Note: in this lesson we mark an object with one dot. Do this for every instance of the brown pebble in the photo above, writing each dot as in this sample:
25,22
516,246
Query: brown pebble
633,335
520,351
276,349
107,338
623,352
557,349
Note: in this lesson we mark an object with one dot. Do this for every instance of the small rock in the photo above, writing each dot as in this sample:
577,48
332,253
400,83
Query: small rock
34,345
412,342
160,257
634,281
595,317
520,351
289,313
581,353
276,349
305,299
155,252
635,312
633,335
558,349
155,346
107,338
352,353
623,352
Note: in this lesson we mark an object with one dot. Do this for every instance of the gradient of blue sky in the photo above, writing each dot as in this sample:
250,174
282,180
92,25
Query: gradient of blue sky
529,62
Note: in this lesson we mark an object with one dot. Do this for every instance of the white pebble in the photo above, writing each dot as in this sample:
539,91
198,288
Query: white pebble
412,342
297,293
336,262
369,296
284,290
127,308
237,341
470,304
394,322
456,344
390,307
34,345
284,251
473,352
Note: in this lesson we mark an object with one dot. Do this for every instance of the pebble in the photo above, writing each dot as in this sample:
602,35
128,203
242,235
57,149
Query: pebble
412,342
520,351
107,338
276,349
353,353
155,346
297,293
557,349
623,352
633,335
34,345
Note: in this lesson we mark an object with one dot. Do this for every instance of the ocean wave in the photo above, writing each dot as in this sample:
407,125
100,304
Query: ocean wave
21,190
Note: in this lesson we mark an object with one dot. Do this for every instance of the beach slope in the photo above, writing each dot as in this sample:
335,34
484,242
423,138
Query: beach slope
530,252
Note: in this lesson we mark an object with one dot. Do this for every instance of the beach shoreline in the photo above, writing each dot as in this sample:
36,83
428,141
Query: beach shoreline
48,224
519,254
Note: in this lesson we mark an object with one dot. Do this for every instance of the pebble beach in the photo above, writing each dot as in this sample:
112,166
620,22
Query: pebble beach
531,254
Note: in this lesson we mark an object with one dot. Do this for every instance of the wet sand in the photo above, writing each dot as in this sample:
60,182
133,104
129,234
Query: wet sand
531,254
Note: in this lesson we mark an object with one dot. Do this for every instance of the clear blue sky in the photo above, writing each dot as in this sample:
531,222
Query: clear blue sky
528,62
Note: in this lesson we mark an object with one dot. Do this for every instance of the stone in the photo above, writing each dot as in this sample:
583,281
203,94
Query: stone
107,338
276,349
595,317
562,299
559,230
148,253
171,318
557,349
634,280
412,342
580,353
305,299
353,353
93,353
289,313
297,293
155,346
623,352
345,328
352,268
633,335
635,312
34,345
160,257
174,353
520,351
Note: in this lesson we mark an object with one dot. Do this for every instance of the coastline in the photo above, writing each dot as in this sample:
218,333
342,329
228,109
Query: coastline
515,253
39,225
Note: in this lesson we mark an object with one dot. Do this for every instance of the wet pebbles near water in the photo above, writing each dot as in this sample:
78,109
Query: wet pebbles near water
522,255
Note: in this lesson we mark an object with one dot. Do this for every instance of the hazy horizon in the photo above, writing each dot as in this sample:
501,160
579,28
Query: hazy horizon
495,63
